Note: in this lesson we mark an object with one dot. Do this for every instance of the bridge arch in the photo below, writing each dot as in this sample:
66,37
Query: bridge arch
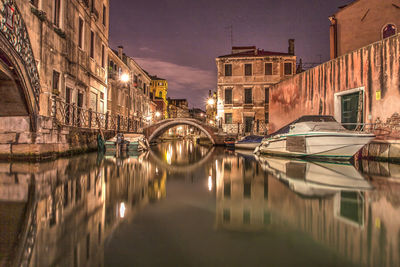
155,130
182,169
19,76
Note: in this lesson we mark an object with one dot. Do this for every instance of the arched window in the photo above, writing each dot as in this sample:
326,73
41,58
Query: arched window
388,31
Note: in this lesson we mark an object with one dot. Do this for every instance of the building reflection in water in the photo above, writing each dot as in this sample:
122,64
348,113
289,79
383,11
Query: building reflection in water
74,209
62,212
360,220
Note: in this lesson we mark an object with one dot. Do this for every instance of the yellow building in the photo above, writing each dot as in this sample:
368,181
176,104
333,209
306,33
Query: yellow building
159,90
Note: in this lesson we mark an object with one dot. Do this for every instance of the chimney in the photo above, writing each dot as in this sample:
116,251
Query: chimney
120,51
291,47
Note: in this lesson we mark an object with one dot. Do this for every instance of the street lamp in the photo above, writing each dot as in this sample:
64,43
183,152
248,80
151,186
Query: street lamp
158,114
124,78
211,101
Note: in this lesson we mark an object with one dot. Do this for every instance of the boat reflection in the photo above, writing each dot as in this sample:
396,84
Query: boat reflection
353,217
315,178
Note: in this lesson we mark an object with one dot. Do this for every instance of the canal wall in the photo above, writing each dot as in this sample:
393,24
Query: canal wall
373,71
19,142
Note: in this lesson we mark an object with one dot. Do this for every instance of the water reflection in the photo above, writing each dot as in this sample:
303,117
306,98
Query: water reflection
73,212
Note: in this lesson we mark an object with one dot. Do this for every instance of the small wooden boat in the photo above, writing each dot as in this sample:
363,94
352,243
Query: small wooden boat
127,142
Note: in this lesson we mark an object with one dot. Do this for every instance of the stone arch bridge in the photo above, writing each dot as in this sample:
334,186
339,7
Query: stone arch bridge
155,130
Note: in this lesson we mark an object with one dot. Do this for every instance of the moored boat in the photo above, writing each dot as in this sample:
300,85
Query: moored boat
127,142
315,137
249,142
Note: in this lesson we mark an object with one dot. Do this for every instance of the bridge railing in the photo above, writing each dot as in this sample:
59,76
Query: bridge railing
67,114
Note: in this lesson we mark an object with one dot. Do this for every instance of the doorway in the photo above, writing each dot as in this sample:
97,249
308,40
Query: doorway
248,124
350,110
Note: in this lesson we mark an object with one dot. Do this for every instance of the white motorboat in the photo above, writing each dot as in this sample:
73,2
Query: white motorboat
315,136
249,142
315,179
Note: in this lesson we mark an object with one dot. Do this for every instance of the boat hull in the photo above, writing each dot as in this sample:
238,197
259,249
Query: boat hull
332,146
249,146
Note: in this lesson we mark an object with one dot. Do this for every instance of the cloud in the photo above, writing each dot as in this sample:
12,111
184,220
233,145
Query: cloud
146,49
183,81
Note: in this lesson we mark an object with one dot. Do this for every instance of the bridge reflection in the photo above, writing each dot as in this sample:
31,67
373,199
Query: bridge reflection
62,212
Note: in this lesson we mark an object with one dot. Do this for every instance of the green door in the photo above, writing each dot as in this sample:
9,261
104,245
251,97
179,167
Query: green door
350,104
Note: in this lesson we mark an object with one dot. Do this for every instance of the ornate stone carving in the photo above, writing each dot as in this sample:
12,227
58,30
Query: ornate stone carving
12,26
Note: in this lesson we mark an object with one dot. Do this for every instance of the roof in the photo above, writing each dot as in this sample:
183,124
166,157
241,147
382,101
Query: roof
260,53
155,78
347,5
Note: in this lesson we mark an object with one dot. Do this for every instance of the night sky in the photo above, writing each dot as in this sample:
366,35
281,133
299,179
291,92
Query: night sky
179,39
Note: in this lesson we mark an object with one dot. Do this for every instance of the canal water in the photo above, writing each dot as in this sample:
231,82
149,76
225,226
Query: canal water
182,204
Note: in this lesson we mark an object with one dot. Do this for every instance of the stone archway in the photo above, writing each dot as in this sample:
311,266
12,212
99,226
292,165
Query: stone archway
19,77
155,130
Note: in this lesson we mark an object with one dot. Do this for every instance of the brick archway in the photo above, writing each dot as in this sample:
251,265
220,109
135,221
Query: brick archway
153,131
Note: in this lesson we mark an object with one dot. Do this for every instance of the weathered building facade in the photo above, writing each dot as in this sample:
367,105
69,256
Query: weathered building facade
54,57
361,23
359,87
244,78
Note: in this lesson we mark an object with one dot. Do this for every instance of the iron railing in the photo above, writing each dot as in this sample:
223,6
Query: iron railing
65,114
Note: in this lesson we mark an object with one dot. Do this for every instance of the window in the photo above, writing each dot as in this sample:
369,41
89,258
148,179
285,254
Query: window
288,68
248,70
91,44
228,96
266,99
56,14
103,56
268,68
56,81
160,94
266,117
226,216
80,32
248,96
87,246
228,69
388,31
104,15
228,118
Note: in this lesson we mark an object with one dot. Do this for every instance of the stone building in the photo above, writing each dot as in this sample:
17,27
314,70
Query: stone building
118,94
52,52
128,91
142,105
159,90
362,22
178,108
244,78
69,41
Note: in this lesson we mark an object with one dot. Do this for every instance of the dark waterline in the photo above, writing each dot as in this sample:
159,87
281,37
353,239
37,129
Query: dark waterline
182,204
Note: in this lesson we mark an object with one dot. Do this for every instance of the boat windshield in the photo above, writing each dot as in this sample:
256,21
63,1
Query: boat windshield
307,118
